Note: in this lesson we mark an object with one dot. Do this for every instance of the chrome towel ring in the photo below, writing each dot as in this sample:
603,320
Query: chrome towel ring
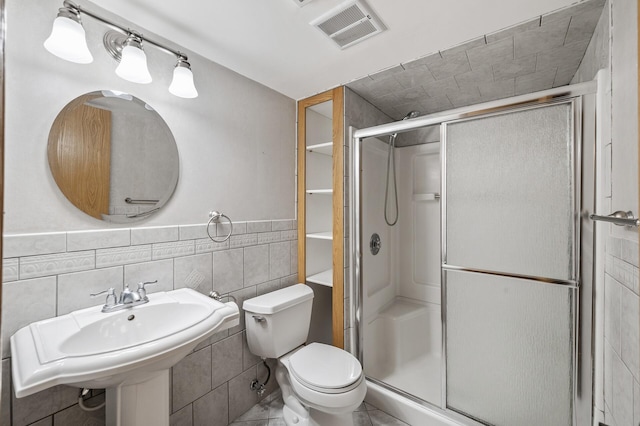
214,217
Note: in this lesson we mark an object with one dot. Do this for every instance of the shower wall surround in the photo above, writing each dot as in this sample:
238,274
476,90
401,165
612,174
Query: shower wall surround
236,143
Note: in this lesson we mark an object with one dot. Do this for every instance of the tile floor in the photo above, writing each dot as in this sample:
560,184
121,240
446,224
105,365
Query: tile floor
268,412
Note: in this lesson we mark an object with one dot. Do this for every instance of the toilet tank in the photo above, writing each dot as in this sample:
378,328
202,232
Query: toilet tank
278,322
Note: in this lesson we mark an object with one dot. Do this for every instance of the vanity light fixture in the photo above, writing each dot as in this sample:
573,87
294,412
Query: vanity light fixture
182,83
68,41
133,61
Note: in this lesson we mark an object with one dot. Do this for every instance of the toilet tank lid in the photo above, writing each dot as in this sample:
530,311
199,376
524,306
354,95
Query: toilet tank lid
278,300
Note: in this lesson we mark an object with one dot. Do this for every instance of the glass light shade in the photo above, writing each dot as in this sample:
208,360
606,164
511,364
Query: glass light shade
182,83
68,41
133,65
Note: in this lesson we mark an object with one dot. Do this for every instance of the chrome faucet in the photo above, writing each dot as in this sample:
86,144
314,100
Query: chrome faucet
127,299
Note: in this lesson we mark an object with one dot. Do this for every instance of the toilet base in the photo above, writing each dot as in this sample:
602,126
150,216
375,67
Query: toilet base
296,414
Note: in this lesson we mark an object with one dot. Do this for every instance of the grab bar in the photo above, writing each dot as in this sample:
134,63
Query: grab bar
129,200
619,218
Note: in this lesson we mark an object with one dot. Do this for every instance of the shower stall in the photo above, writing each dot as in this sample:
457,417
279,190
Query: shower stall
476,306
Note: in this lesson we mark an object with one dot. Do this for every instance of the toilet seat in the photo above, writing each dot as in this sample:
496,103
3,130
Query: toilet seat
340,400
324,368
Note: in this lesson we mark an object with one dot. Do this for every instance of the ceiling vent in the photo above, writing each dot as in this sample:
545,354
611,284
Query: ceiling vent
349,23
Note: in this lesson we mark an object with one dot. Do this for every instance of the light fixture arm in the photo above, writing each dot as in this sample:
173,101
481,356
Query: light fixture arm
79,9
69,12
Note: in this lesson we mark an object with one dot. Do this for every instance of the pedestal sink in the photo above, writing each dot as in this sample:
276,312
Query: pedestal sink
128,352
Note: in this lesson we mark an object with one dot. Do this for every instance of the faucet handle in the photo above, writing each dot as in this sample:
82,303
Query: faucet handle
142,291
111,295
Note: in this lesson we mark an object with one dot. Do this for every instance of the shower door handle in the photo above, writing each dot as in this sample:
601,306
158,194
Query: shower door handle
619,218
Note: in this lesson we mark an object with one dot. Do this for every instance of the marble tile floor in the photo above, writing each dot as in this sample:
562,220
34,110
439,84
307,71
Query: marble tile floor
268,412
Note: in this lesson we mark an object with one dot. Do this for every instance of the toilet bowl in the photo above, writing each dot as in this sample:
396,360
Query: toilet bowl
321,385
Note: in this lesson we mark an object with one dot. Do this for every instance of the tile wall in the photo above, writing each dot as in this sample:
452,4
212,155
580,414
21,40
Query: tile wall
622,315
621,331
537,54
51,274
621,301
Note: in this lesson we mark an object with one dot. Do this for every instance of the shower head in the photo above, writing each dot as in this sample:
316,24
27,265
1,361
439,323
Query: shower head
411,114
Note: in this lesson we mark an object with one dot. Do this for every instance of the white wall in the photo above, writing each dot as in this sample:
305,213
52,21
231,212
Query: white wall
236,140
236,143
624,111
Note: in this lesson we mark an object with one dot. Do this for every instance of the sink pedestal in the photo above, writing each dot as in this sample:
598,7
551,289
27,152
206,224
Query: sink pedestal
143,403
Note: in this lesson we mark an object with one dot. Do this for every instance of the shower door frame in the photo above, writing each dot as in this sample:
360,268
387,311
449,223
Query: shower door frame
571,283
572,94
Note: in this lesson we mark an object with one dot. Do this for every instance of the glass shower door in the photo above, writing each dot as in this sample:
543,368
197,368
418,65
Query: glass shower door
509,265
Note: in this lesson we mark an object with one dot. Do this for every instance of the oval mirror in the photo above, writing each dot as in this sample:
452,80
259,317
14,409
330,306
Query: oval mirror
113,156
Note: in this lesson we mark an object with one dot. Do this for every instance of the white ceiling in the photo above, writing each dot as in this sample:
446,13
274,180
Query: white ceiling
271,41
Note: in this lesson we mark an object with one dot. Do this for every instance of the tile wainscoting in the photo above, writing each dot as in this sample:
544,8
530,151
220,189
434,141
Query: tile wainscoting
621,333
51,274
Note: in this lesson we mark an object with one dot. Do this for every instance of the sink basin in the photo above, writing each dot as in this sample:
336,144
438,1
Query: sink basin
88,348
118,332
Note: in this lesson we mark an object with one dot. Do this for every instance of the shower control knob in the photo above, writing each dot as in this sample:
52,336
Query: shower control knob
374,244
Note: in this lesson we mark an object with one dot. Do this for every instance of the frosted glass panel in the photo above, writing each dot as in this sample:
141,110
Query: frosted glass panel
509,349
509,193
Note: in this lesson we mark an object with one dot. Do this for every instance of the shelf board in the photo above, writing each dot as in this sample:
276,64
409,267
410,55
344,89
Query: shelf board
320,191
321,235
322,278
322,148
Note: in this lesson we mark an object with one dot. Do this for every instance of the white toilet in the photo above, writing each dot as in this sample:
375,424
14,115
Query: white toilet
321,385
